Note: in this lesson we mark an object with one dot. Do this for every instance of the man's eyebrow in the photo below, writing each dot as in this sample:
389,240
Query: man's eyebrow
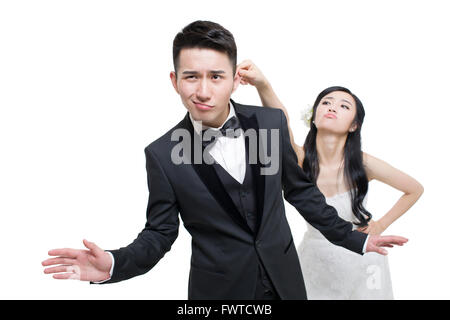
211,71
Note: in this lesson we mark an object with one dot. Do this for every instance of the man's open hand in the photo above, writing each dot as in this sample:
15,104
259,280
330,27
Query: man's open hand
376,243
93,264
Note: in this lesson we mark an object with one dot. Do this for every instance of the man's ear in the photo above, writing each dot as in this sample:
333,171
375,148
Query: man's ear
173,78
236,81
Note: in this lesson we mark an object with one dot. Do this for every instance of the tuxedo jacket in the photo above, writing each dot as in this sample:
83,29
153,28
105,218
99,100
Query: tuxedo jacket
225,251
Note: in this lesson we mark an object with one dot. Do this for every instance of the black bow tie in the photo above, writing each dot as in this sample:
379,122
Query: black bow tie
231,125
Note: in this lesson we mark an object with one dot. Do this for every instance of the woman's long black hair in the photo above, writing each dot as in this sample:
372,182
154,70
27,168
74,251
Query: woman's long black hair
354,172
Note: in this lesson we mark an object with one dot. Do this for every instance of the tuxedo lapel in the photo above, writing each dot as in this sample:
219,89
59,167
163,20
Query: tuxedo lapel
209,176
251,122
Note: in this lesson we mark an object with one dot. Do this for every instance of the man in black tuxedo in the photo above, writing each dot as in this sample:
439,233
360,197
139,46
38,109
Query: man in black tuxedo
242,247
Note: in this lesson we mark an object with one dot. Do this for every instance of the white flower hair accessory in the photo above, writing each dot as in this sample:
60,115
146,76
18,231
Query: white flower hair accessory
307,116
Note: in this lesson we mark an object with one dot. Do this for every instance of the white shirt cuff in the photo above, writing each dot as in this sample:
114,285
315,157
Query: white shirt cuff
364,247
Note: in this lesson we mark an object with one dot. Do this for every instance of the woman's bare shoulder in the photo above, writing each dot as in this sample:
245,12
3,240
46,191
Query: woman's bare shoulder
369,162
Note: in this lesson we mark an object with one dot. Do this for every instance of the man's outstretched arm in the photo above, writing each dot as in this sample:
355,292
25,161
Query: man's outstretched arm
310,202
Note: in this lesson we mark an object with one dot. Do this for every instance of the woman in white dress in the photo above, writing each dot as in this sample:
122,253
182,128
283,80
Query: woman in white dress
332,157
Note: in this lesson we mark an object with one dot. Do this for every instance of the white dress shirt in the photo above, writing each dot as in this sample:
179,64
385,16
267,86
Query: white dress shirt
229,152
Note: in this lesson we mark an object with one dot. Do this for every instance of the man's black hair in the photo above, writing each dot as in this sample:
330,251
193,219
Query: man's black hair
205,35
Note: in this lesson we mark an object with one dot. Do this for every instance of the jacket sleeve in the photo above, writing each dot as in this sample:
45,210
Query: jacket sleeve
304,195
161,228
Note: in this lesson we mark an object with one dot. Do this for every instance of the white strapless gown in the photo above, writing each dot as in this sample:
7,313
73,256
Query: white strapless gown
331,272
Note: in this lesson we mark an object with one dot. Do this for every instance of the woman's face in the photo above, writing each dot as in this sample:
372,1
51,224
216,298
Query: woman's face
336,112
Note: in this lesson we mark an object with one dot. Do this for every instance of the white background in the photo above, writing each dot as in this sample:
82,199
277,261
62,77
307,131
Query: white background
84,88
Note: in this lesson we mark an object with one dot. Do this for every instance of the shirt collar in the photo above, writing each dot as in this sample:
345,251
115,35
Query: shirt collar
198,126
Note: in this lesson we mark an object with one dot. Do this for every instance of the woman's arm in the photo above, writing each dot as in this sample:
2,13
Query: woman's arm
412,189
251,74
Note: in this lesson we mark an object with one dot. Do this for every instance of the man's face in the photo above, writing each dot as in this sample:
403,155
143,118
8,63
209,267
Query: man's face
205,82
